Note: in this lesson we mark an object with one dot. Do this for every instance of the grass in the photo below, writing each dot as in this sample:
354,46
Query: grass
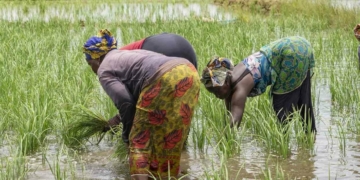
47,87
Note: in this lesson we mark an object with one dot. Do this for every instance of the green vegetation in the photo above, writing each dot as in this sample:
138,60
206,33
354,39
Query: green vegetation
47,89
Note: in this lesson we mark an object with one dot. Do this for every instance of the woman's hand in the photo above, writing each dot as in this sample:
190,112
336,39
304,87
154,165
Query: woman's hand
112,123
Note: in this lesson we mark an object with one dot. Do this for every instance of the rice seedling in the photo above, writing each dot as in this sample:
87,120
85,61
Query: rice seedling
219,170
269,175
63,164
13,164
302,134
266,128
198,133
13,168
87,125
342,132
56,169
216,122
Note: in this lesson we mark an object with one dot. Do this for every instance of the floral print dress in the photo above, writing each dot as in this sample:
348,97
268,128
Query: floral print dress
260,69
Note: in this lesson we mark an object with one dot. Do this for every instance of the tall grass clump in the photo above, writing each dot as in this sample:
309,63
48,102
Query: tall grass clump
215,130
260,119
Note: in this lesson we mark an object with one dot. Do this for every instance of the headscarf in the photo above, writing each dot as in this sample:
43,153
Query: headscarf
216,71
99,45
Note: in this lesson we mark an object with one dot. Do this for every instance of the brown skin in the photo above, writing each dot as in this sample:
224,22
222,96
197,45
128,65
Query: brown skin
235,98
94,64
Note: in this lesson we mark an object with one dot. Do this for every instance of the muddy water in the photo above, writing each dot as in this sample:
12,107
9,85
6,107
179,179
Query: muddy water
327,161
99,163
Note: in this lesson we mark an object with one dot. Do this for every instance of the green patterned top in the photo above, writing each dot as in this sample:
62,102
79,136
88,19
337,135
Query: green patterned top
290,59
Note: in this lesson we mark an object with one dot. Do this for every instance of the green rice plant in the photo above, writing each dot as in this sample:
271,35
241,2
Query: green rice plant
355,120
264,125
228,141
13,165
198,132
62,170
345,98
32,132
301,132
212,116
215,119
269,175
32,123
219,170
56,170
342,135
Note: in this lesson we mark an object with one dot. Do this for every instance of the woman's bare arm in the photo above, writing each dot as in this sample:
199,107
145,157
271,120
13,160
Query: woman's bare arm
238,99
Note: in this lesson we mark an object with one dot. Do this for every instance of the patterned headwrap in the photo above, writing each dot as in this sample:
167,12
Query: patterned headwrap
215,72
99,45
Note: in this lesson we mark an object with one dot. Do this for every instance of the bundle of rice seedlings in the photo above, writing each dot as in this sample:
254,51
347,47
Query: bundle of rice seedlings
87,124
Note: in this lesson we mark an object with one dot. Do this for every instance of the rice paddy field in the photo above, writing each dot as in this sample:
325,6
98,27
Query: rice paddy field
46,86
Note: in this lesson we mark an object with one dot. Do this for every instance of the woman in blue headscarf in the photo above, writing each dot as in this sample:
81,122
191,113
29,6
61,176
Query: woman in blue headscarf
155,95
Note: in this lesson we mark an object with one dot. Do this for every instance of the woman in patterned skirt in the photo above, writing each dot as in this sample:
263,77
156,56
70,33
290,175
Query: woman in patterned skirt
285,64
168,44
155,95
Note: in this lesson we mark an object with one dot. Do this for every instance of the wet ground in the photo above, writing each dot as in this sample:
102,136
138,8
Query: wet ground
327,161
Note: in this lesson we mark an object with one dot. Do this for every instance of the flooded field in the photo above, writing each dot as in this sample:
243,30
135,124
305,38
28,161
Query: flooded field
334,155
347,3
328,160
121,12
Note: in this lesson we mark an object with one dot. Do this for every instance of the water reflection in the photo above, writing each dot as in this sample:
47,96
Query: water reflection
253,163
347,3
120,12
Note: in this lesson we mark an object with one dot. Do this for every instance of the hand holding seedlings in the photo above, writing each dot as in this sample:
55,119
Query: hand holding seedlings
112,123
